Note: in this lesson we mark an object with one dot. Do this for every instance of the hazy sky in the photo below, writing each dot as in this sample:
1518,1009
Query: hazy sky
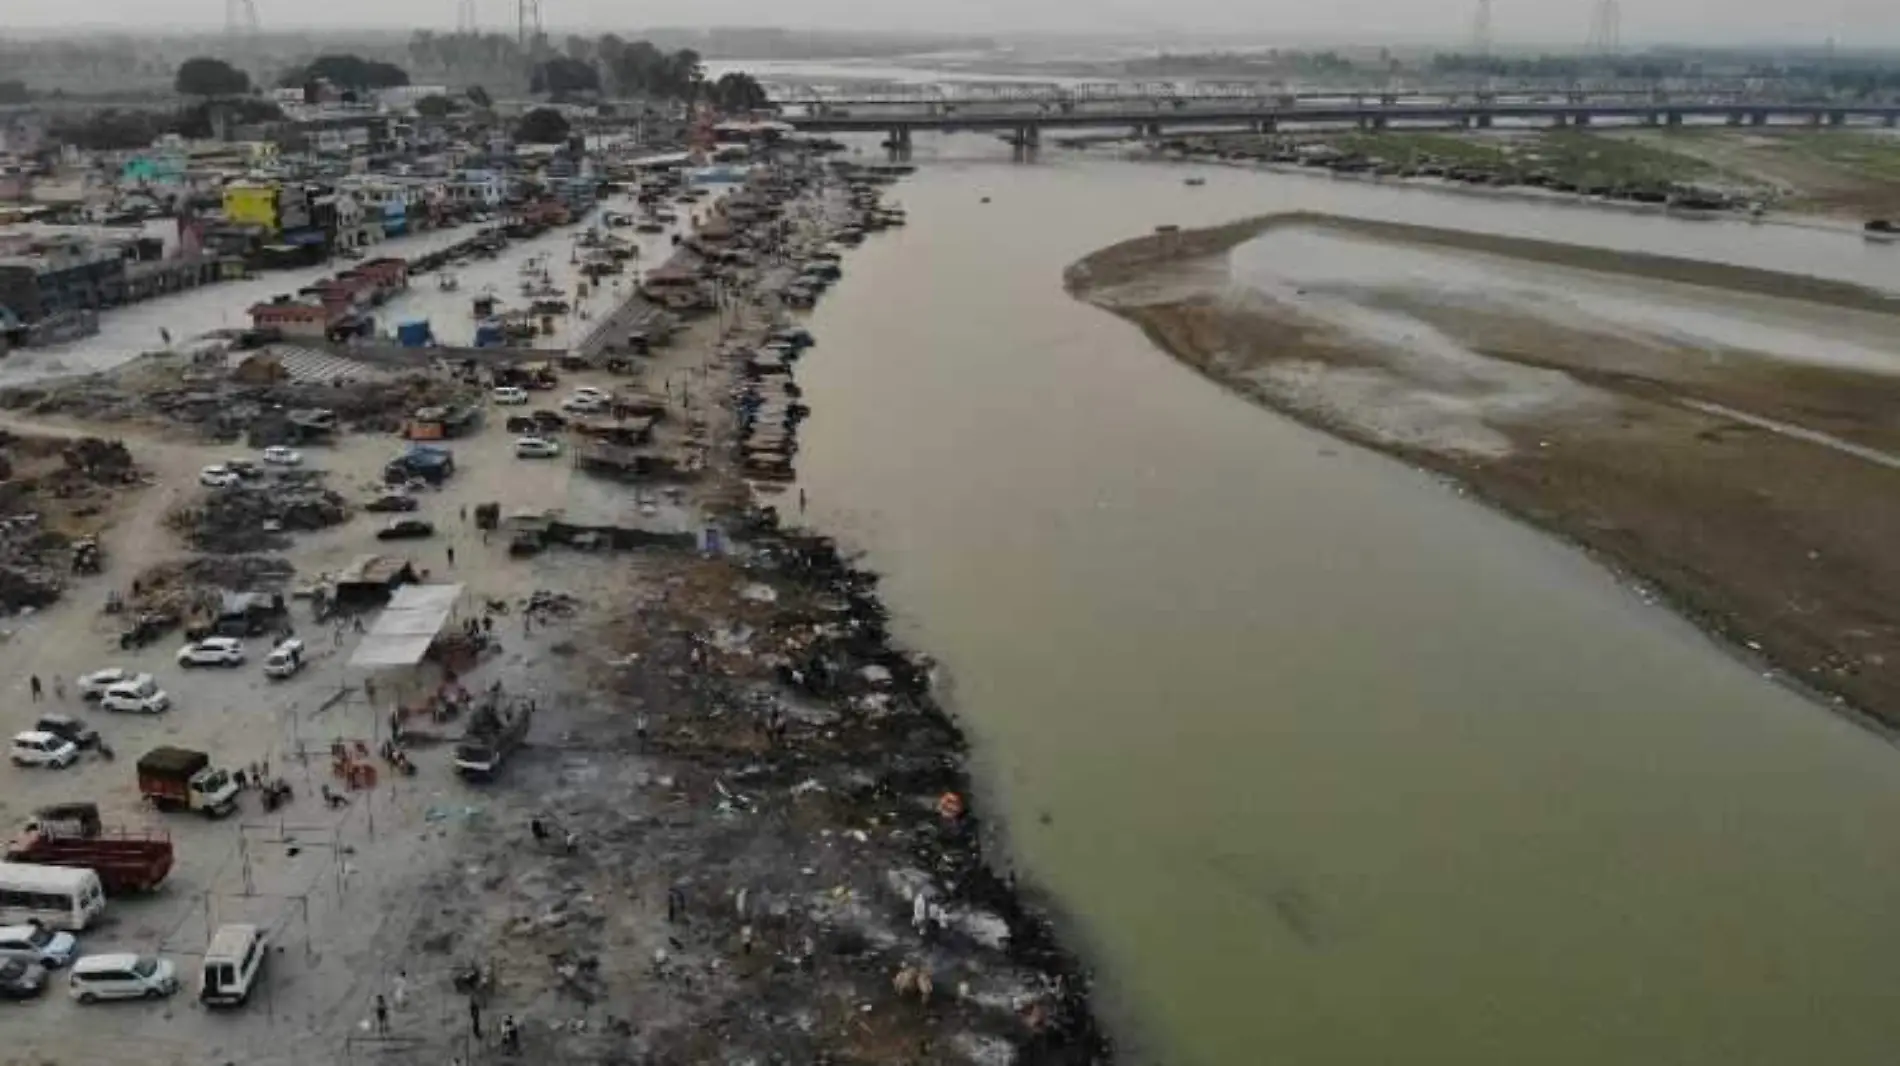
1864,22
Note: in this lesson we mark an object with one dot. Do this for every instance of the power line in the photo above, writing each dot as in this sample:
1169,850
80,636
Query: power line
1606,28
240,18
1481,28
528,22
466,20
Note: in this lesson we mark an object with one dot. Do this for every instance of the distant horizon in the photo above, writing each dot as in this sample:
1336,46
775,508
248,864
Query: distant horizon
1180,40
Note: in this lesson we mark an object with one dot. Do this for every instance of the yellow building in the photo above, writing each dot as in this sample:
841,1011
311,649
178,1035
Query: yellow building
251,204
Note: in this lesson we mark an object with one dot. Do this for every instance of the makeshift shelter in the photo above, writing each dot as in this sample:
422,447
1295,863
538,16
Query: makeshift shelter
372,579
404,630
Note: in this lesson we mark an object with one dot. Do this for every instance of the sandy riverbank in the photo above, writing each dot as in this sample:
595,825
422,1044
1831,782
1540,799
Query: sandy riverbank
754,776
1751,486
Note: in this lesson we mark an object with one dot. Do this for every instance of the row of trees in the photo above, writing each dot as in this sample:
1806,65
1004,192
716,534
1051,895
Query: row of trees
609,65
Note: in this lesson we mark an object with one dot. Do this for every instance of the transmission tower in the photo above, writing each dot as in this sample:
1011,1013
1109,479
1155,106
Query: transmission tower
240,18
465,20
528,22
1606,28
1481,29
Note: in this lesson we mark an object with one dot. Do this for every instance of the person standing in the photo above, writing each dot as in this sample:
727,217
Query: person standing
475,1018
399,989
382,1015
34,683
59,688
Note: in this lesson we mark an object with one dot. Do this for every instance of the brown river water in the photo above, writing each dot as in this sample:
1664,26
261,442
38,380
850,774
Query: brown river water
1321,762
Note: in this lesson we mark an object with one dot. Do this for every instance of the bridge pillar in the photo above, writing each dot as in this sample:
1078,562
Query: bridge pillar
1673,118
1890,121
1581,118
1837,118
1032,136
1388,100
1651,118
1265,125
1814,118
1758,118
1482,120
1734,118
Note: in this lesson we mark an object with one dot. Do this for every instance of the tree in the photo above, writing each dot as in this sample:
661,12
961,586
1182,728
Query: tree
204,76
14,92
349,72
563,76
480,98
543,125
738,91
436,106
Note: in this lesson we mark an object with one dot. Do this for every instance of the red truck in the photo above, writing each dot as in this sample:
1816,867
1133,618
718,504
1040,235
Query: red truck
126,860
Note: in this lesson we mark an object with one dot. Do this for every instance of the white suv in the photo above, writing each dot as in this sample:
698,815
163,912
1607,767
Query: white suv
212,651
98,977
34,942
511,396
34,748
136,697
94,685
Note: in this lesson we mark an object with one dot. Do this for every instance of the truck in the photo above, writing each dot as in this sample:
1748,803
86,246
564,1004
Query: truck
183,779
494,732
70,834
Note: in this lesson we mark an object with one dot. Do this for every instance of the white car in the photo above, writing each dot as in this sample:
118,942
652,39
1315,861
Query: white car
217,477
589,390
212,651
585,403
98,977
94,685
536,448
284,660
136,697
34,748
510,396
278,455
34,942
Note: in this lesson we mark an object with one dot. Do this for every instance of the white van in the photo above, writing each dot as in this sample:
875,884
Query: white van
98,977
232,964
58,897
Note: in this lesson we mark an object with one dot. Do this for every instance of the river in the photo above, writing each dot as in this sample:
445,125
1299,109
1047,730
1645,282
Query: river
1322,762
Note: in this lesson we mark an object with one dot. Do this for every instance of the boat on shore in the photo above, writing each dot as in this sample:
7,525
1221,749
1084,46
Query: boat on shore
1881,231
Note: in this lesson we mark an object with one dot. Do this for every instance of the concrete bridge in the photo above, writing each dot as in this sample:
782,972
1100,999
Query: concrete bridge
1024,117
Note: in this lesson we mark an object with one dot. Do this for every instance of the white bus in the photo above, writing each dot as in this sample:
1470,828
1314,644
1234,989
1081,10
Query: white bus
61,897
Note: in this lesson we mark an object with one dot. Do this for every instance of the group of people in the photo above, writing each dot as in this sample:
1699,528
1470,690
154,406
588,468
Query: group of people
509,1031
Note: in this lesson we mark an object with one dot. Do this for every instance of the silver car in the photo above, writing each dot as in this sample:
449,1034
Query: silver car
36,943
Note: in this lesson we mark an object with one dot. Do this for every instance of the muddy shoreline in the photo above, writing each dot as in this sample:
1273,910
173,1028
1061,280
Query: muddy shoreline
1771,543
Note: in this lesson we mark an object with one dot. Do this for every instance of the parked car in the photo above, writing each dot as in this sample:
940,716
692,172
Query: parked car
20,979
82,735
212,651
391,503
217,477
94,685
584,403
136,697
244,469
127,976
406,529
36,748
34,942
278,455
508,395
536,448
284,660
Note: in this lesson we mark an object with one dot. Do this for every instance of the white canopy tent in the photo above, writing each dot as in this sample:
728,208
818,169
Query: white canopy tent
408,625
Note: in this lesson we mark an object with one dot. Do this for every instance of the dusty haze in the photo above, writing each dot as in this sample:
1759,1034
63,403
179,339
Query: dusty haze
1860,23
